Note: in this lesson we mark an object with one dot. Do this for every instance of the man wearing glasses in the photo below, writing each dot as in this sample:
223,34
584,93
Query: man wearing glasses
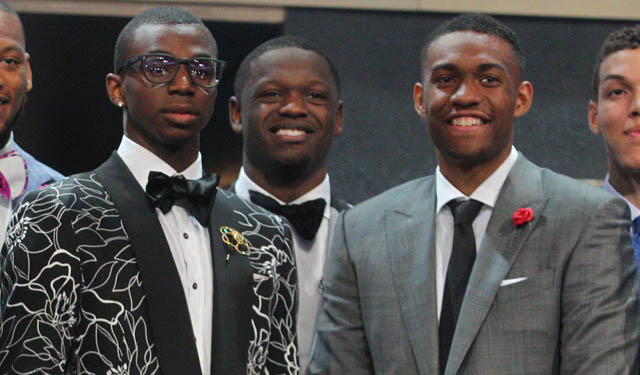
99,277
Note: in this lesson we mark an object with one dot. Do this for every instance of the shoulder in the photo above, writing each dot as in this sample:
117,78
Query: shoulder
261,224
79,191
576,195
400,198
39,173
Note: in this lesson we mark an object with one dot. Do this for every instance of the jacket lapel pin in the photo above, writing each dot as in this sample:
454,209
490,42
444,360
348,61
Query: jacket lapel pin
234,240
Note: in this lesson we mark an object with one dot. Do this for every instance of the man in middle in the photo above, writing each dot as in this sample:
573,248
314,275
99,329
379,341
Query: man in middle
288,109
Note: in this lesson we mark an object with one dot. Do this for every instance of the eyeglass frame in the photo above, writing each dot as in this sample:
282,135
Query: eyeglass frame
179,62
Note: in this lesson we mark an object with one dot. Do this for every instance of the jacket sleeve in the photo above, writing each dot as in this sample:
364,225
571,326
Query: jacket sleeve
600,318
340,346
39,288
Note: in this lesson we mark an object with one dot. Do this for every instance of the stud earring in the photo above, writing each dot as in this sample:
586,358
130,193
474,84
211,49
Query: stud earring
120,104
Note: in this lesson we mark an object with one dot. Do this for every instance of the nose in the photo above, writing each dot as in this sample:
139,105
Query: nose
293,105
182,83
634,108
466,95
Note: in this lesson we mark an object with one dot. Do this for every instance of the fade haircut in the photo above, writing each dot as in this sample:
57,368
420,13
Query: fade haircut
479,23
154,16
626,38
287,41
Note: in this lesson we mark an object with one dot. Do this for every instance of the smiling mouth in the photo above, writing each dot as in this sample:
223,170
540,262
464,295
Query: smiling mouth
467,121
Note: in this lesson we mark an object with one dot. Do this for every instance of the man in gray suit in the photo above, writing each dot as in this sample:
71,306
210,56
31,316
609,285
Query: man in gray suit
552,287
287,107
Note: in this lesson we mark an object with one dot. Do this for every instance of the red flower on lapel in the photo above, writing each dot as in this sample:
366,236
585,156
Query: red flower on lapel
522,216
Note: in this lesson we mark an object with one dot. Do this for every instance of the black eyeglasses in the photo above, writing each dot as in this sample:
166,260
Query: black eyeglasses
204,71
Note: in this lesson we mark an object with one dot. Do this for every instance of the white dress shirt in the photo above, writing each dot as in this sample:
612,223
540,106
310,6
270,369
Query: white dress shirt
310,261
486,193
189,243
5,205
635,211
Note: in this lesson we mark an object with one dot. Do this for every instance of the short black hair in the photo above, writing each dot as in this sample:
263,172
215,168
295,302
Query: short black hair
626,38
287,41
153,16
479,23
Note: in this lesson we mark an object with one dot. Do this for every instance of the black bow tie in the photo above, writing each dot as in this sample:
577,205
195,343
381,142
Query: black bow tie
305,218
163,191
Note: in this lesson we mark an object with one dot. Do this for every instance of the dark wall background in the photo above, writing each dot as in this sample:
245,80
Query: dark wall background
71,125
385,143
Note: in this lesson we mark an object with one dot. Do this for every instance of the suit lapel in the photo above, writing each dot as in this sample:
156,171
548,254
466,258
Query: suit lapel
233,296
167,307
411,245
500,247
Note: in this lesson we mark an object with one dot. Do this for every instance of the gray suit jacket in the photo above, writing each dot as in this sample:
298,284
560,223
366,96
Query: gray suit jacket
576,313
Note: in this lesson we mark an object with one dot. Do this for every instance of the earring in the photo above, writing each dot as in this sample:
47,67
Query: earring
120,104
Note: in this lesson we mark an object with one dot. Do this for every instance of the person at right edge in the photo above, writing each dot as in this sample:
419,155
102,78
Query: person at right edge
614,112
492,266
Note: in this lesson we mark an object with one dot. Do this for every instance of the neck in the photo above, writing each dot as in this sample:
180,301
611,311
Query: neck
283,183
626,182
466,177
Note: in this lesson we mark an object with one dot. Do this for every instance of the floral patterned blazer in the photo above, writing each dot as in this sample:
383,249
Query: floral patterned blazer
88,285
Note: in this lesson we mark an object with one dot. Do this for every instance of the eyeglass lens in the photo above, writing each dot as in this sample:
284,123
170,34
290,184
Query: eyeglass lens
162,69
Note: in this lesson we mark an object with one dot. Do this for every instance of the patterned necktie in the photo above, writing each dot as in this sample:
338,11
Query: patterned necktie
463,255
305,218
13,175
636,241
163,191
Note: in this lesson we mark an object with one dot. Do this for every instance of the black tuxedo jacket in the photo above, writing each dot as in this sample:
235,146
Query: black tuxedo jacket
89,285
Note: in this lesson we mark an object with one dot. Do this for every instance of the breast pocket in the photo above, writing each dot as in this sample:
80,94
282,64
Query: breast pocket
528,288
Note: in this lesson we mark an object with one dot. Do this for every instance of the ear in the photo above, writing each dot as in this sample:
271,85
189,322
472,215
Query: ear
418,99
524,98
593,117
339,118
27,57
235,115
115,90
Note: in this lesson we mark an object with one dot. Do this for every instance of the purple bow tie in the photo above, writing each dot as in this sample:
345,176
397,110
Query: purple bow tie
13,175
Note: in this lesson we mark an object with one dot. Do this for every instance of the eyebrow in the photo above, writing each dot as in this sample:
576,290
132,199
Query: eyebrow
163,52
13,47
615,77
481,68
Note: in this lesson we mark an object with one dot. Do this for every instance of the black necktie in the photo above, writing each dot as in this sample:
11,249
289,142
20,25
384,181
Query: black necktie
163,191
463,254
305,218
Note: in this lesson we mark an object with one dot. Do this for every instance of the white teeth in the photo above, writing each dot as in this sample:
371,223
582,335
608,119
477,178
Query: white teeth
466,121
290,132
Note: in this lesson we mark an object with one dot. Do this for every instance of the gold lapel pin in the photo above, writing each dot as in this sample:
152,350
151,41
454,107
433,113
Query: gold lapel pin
235,240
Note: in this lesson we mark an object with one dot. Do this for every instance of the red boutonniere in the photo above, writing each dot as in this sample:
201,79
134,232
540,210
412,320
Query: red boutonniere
522,216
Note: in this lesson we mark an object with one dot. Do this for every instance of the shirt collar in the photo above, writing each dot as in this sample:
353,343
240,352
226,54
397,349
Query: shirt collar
323,190
141,161
606,186
486,193
8,146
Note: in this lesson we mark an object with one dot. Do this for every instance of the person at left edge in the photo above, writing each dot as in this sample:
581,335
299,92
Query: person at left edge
99,278
20,171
